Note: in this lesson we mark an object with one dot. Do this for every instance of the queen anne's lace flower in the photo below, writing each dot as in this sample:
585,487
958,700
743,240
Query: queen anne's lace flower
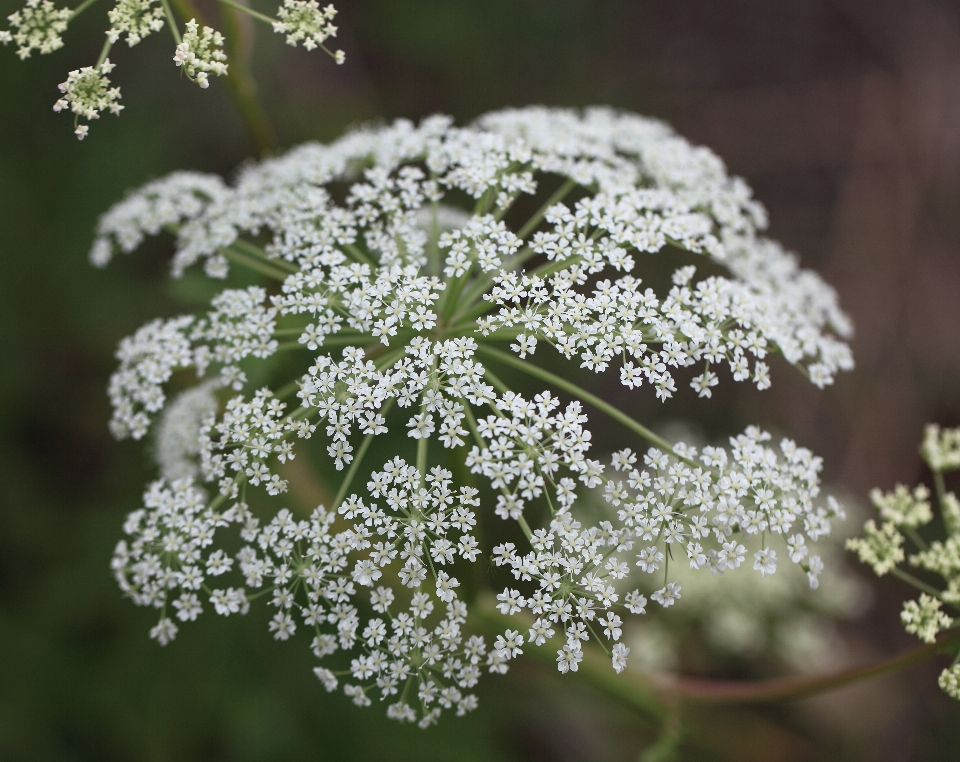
136,19
38,26
200,53
388,295
304,21
87,92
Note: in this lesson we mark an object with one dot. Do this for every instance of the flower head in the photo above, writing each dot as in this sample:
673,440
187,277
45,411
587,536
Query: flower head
200,54
136,19
87,92
305,22
38,26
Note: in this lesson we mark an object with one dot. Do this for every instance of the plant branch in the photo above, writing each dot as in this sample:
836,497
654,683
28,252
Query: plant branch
654,695
264,268
556,198
724,692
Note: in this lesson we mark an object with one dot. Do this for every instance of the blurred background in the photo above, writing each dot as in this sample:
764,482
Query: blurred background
844,116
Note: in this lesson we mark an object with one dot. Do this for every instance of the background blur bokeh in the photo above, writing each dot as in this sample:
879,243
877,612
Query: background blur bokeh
844,116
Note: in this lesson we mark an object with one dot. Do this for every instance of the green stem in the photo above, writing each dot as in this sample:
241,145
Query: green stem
352,471
591,399
549,268
940,486
422,446
470,311
249,11
361,451
913,581
484,279
255,251
556,198
451,294
331,341
242,258
104,52
171,21
914,535
495,380
433,243
80,9
357,253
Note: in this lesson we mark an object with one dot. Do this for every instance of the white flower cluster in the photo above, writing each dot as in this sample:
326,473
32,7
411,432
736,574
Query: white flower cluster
87,92
313,576
38,26
200,53
904,512
136,19
169,552
386,293
304,21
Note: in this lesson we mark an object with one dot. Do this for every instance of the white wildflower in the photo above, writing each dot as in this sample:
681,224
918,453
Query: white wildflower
200,54
305,22
38,26
87,92
136,19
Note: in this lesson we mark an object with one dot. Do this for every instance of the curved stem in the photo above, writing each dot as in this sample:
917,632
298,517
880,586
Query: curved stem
724,691
253,250
654,695
591,399
249,11
81,8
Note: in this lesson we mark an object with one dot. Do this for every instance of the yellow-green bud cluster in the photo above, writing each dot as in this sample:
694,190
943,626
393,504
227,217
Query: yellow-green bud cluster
949,681
881,548
941,449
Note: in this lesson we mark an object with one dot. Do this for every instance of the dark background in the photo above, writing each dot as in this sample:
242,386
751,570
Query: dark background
845,118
